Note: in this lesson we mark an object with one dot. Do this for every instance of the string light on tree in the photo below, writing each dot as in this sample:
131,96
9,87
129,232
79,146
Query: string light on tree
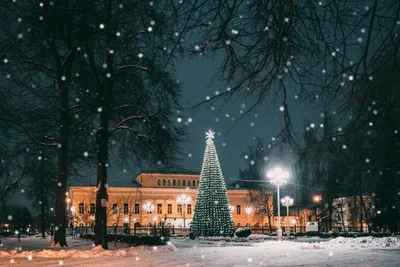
212,216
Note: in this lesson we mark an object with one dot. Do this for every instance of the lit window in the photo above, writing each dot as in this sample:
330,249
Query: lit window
179,182
189,183
92,208
159,208
159,182
174,182
169,211
179,208
238,210
169,182
115,208
189,209
81,208
126,208
164,182
184,183
137,208
194,183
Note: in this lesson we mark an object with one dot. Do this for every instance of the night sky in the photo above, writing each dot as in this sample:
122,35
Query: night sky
265,121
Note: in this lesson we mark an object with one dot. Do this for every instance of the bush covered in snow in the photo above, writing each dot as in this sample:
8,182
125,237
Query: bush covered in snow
344,234
243,232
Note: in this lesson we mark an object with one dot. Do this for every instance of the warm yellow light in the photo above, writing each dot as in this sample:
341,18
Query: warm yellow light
317,198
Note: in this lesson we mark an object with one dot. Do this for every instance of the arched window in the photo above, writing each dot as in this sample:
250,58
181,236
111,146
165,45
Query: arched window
194,182
174,182
164,182
169,182
198,182
189,183
159,182
179,182
183,182
238,225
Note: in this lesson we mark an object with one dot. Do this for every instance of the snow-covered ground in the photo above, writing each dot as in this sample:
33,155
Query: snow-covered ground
362,251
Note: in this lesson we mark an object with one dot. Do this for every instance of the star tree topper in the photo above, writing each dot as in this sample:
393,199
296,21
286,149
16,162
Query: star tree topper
210,135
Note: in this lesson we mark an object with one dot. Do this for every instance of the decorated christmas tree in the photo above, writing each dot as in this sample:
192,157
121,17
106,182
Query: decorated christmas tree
212,216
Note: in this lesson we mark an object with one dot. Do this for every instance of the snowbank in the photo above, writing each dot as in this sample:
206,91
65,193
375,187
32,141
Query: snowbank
356,243
251,238
391,242
96,252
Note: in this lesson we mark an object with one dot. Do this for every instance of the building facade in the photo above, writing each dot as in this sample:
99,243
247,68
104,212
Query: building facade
352,214
158,192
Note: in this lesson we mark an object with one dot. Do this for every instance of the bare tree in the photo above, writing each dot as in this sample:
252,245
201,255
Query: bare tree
44,58
261,200
312,50
132,75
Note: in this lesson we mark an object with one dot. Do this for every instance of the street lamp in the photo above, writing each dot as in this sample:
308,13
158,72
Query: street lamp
248,211
183,200
287,202
294,224
278,177
68,201
149,208
316,199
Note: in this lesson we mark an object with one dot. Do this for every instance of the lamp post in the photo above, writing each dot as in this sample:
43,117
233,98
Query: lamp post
278,177
287,202
316,199
183,200
294,224
248,211
148,208
129,223
68,201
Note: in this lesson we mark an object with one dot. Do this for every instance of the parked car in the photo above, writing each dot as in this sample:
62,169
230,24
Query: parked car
311,227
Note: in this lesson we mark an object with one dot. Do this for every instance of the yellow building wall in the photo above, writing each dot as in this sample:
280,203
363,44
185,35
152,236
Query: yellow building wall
154,195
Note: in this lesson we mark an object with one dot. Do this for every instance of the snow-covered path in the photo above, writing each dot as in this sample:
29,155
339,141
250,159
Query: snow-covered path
269,253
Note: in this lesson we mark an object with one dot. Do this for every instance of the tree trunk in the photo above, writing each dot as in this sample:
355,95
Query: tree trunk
103,136
361,211
330,214
102,160
269,224
367,217
60,222
42,200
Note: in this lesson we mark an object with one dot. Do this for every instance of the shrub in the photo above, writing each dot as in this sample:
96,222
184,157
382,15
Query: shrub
243,232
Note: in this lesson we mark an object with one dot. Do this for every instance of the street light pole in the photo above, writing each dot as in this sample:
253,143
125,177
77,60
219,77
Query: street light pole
248,211
278,177
279,212
287,202
148,208
183,200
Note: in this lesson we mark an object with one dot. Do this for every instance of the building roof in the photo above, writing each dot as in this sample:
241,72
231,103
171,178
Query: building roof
171,170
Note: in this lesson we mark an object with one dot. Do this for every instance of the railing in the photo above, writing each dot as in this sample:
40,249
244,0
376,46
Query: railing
175,231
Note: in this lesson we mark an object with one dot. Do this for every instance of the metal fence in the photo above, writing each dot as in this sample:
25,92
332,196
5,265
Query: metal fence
175,231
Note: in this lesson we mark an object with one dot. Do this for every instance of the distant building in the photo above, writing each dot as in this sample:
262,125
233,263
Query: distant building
159,189
352,214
